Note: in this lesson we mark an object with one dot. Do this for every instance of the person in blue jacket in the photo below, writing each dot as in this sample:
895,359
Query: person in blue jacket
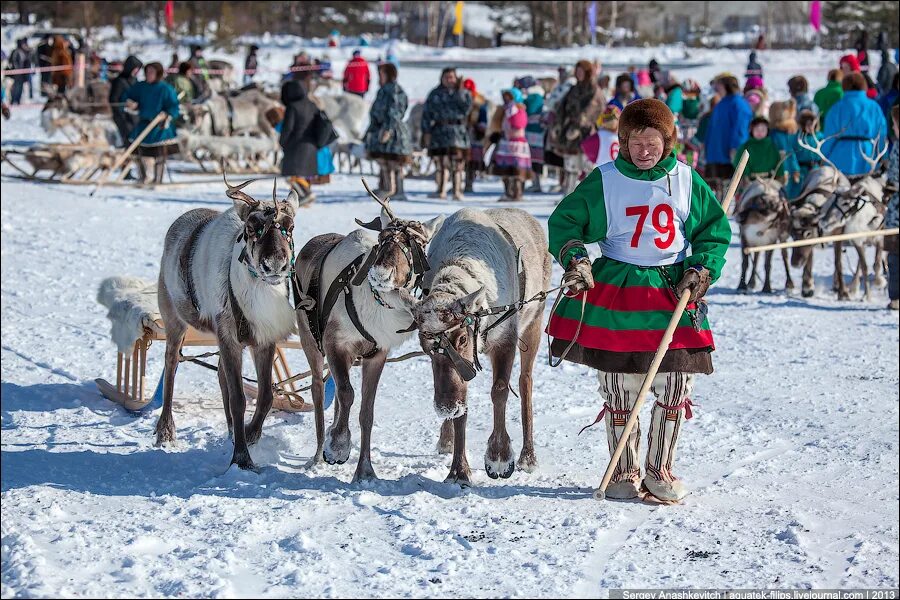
852,127
729,126
151,97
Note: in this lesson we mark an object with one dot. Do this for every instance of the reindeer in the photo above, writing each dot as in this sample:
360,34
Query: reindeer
481,259
854,210
764,219
227,273
373,318
819,186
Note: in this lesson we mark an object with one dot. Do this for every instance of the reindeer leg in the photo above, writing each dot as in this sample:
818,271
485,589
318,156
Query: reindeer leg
841,286
337,438
754,277
862,269
745,262
809,282
459,468
445,442
223,387
767,282
499,458
372,369
230,360
789,283
316,366
263,358
531,341
878,267
175,330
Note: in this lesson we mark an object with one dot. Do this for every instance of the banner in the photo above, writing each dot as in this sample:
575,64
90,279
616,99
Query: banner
387,7
815,15
170,14
458,24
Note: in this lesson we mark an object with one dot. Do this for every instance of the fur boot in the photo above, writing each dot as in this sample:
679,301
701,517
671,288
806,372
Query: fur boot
399,174
619,393
670,409
440,177
457,169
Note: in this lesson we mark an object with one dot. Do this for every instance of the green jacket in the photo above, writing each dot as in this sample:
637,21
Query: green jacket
826,98
764,156
184,87
630,305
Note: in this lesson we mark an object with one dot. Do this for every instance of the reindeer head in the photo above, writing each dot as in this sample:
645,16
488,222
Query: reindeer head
845,203
447,334
398,260
763,201
267,233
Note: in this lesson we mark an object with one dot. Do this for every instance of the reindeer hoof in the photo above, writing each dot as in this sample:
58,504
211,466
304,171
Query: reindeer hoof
364,473
843,296
243,461
527,462
165,433
445,447
252,434
767,289
808,293
459,477
337,448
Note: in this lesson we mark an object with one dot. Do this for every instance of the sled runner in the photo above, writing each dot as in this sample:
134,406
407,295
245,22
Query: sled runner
136,324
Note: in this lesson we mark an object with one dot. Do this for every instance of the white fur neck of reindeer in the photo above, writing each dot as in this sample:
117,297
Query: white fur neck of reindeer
266,305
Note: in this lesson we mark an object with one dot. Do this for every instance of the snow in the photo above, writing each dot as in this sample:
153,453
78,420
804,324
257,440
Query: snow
792,454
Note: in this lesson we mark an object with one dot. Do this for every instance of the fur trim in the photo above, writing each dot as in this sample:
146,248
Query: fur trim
783,116
133,307
640,115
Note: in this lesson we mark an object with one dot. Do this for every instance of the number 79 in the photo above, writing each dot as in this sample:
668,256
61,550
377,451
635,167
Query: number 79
666,229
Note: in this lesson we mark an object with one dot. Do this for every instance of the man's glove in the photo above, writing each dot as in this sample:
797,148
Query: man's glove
697,280
385,136
578,277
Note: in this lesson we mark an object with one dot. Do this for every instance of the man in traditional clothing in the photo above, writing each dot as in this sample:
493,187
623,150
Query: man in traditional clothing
647,210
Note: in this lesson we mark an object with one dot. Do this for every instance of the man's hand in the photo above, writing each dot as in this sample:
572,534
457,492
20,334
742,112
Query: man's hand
131,105
385,136
578,277
697,280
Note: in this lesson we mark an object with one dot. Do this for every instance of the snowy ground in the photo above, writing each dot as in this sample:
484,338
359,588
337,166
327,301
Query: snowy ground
792,455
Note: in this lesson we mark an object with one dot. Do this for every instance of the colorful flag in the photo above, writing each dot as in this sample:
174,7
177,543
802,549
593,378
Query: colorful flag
815,15
387,7
458,24
170,14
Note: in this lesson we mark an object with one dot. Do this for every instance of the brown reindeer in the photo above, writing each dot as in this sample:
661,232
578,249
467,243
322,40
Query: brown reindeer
764,219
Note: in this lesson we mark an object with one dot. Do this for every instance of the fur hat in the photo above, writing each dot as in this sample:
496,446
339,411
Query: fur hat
798,85
588,68
807,120
642,114
783,116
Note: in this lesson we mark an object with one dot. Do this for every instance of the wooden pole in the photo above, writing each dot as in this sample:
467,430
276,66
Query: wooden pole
124,156
600,492
824,240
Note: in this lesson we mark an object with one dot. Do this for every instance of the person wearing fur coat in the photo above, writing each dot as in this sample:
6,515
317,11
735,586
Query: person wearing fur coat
512,158
444,131
783,131
576,117
661,232
387,139
477,122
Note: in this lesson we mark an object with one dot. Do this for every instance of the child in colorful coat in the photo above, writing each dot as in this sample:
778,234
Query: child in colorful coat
512,158
765,160
646,210
783,119
603,146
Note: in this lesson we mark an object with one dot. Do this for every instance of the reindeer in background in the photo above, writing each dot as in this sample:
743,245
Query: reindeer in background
857,209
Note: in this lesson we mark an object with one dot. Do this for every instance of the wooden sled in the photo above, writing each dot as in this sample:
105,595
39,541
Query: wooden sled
130,387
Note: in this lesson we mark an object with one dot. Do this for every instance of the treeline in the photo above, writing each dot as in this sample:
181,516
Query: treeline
544,23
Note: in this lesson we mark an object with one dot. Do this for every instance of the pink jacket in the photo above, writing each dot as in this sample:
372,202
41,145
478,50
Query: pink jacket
515,122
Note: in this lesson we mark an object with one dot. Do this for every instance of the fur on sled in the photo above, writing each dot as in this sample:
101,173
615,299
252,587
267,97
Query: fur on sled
133,307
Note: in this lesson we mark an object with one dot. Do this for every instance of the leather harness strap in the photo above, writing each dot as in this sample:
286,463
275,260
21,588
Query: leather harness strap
318,315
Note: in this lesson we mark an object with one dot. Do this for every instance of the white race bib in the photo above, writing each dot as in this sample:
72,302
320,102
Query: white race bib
645,219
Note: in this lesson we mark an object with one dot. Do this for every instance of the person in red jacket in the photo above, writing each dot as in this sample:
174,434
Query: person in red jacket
356,75
850,64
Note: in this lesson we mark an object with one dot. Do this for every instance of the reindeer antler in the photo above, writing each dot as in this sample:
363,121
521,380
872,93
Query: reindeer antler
817,149
383,203
234,191
873,162
275,199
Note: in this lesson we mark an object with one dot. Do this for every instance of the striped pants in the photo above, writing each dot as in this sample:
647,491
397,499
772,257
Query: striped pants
671,395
